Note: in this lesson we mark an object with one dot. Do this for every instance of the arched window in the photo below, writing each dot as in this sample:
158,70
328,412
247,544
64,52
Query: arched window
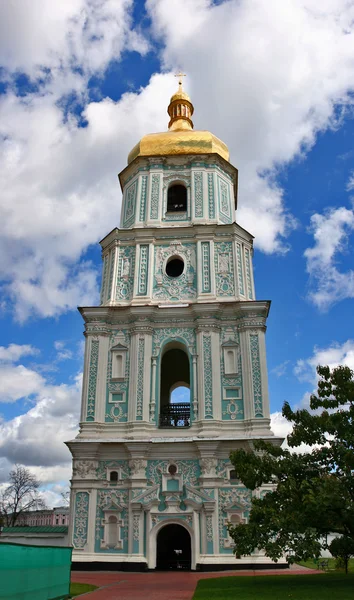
177,198
113,477
174,388
232,475
112,532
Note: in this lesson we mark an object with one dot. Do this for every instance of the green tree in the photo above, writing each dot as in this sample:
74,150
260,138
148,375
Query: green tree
313,491
342,548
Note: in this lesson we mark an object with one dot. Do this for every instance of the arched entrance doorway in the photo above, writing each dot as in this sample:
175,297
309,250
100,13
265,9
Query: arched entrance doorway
173,548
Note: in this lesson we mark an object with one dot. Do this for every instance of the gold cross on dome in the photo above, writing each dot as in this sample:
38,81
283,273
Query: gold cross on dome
180,75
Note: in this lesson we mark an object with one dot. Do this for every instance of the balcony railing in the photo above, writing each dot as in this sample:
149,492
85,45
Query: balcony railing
175,415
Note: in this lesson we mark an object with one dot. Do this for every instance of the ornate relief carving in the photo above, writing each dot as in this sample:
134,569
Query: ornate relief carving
208,466
198,194
175,288
143,270
208,377
140,380
187,334
256,375
81,519
137,466
155,194
143,198
224,269
126,268
240,269
206,279
92,381
211,200
129,204
248,273
84,469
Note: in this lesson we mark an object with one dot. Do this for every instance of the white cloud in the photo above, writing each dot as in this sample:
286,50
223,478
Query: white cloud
334,355
331,234
66,37
18,382
350,184
281,369
14,352
36,438
265,77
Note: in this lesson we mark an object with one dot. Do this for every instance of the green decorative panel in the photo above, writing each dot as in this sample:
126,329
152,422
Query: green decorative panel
130,204
143,270
209,534
111,273
80,529
117,391
179,288
165,334
142,213
126,269
189,469
92,381
115,501
248,273
231,385
224,269
181,216
140,380
241,286
104,278
155,196
121,465
235,499
206,277
208,376
211,196
198,194
224,201
256,375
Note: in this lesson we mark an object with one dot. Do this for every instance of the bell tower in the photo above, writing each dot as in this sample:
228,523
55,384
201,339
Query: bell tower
175,372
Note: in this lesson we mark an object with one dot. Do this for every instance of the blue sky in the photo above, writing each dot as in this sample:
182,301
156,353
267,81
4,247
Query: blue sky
80,82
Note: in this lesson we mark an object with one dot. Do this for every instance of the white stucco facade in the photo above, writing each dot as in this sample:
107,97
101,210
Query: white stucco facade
178,306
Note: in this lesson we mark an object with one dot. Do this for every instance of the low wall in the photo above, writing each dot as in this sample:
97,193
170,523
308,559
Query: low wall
34,572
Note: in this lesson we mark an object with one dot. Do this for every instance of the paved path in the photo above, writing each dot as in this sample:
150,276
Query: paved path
159,586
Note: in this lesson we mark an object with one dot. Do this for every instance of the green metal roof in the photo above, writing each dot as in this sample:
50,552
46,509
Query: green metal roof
36,529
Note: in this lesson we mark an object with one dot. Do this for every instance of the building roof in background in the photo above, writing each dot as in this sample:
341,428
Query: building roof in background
36,529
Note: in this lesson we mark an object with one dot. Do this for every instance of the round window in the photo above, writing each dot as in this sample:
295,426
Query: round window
172,469
175,266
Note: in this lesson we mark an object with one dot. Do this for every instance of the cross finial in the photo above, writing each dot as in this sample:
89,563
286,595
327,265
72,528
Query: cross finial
180,75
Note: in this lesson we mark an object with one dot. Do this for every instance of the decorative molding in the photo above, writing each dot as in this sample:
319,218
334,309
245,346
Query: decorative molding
140,379
84,469
256,375
206,276
248,273
224,269
80,530
198,194
240,269
155,194
142,214
130,204
92,381
211,198
208,376
143,270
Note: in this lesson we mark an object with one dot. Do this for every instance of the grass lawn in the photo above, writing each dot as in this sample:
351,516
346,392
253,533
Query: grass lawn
329,586
81,588
311,564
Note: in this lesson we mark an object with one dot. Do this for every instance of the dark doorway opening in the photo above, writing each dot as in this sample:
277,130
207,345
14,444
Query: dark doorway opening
173,549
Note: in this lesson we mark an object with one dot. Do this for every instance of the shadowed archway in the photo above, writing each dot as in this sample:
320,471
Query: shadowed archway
173,548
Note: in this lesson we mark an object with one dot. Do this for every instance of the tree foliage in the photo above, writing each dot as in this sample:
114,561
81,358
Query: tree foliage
20,495
313,491
342,548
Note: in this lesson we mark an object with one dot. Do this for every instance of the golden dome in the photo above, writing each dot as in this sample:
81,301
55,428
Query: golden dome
180,138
